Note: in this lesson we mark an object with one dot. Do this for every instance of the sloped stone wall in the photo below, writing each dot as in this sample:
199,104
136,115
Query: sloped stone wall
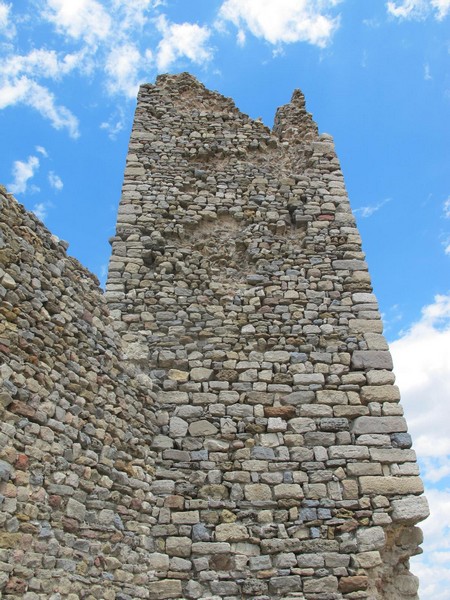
283,466
76,464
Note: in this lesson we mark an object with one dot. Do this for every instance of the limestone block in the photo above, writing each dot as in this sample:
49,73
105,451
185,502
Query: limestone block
410,509
186,517
331,397
371,359
288,490
210,548
328,584
366,326
286,584
391,485
363,425
258,492
380,393
75,510
158,561
168,588
302,425
178,427
202,428
370,538
173,397
179,546
375,341
277,356
200,374
231,532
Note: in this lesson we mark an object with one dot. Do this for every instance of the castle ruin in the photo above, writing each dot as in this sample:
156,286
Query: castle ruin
223,422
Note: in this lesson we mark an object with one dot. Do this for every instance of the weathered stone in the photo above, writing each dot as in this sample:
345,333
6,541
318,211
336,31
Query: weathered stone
371,359
202,428
410,509
169,588
391,485
363,425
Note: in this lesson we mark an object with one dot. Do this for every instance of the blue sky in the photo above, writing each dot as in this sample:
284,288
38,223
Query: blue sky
376,76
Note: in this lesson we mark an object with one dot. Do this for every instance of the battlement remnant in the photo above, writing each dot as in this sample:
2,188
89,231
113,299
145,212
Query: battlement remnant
223,423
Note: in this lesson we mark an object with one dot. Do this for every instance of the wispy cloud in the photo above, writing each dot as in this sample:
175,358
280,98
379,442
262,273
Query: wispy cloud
115,124
285,21
6,26
42,151
446,208
368,211
55,181
427,72
419,9
40,210
22,172
28,92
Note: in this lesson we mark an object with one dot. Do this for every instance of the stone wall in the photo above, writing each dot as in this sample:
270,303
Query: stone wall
224,424
76,463
283,464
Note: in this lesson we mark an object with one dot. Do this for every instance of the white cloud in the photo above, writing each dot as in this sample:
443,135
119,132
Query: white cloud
30,93
422,365
419,9
122,66
6,27
79,19
426,72
368,211
133,12
432,567
42,151
55,181
40,210
283,21
181,40
22,173
41,63
447,248
115,124
446,207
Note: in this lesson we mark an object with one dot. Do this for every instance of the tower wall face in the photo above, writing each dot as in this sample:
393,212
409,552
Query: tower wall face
282,462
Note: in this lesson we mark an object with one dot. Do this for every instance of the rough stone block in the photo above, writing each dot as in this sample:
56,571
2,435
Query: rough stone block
363,425
391,485
410,510
371,359
168,588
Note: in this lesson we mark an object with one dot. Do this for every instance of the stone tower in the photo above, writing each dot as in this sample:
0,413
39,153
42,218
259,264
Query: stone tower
282,467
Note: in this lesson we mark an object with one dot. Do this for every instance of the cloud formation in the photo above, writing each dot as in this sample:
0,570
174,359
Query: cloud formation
282,21
55,181
368,211
422,365
6,27
185,40
79,19
419,9
22,172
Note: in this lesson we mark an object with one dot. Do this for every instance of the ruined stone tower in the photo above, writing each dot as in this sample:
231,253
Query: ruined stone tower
282,464
223,423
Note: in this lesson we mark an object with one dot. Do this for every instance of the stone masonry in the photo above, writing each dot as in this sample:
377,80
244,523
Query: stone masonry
223,423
